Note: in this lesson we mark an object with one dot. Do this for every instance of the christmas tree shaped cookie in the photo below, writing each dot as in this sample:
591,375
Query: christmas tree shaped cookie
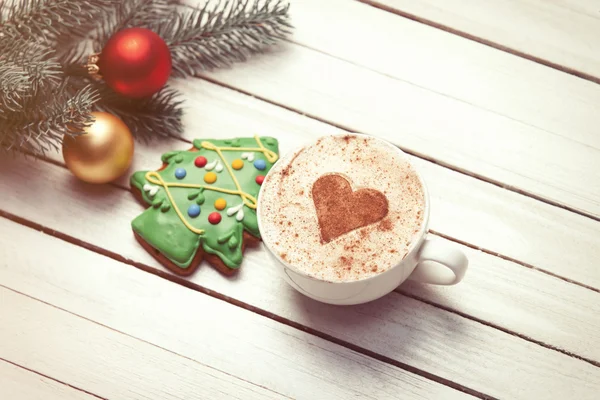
202,203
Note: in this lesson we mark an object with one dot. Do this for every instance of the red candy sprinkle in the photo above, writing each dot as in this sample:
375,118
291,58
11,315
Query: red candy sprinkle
200,161
260,179
214,218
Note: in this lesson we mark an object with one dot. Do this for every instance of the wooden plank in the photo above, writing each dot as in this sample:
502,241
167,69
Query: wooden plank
397,327
516,226
462,207
20,384
106,362
444,97
536,306
451,65
559,32
200,345
465,208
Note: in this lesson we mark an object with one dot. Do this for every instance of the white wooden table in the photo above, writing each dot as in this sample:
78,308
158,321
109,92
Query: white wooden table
497,101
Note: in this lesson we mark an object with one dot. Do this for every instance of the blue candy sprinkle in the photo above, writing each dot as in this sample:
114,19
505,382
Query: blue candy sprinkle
180,173
194,210
260,164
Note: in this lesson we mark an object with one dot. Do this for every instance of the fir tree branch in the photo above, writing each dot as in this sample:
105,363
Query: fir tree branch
23,50
135,13
157,116
95,33
217,36
41,125
25,68
46,20
14,86
45,92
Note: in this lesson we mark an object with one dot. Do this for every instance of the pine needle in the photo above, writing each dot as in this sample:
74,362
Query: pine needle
219,35
45,20
46,93
42,125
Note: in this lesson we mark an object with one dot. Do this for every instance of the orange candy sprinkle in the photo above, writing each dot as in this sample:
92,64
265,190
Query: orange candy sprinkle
210,177
220,204
237,164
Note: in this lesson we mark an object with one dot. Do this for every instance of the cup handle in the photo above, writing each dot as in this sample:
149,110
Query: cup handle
439,264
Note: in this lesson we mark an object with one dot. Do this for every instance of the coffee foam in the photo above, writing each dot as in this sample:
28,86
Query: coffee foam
289,224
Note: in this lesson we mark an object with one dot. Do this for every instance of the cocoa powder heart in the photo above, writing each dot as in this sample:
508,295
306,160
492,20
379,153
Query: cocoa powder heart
341,210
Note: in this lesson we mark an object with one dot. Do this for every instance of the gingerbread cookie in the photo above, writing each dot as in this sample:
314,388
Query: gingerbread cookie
203,203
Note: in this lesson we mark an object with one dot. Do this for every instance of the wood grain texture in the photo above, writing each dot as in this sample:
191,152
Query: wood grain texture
444,97
560,32
521,300
447,64
20,384
468,209
397,327
476,212
200,345
105,362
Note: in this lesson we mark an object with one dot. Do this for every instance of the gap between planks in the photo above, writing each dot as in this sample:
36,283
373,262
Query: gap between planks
117,197
490,248
417,155
49,377
422,156
193,286
498,327
527,112
125,334
445,236
202,289
513,260
486,42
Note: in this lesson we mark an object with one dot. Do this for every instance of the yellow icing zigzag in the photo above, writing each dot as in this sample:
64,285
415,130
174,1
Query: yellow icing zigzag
247,199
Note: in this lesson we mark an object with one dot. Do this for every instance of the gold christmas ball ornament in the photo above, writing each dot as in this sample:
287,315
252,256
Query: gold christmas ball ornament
101,154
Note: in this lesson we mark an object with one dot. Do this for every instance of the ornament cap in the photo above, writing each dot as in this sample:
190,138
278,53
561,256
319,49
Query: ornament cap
92,66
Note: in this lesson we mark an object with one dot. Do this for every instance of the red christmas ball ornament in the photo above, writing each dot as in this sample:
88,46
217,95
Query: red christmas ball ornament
135,62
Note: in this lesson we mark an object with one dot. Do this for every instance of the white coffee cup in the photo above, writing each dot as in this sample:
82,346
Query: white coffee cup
427,261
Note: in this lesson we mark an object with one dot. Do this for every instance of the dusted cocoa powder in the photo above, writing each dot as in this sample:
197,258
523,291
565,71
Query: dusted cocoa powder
343,209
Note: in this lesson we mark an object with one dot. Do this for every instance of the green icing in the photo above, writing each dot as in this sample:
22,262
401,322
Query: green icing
167,156
235,143
157,202
232,242
162,228
164,233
